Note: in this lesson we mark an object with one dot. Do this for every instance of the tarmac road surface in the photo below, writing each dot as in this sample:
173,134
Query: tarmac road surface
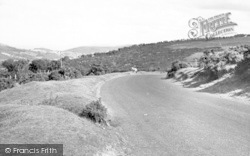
161,118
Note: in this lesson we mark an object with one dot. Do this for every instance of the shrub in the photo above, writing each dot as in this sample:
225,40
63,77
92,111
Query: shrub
211,73
208,60
53,65
232,57
96,69
4,74
6,83
176,65
95,111
242,67
25,77
55,75
246,53
69,72
40,77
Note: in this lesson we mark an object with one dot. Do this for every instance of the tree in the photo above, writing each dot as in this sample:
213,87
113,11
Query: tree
39,65
65,59
9,65
96,69
15,66
54,65
20,65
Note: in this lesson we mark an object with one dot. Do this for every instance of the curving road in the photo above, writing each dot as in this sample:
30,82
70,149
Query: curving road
161,118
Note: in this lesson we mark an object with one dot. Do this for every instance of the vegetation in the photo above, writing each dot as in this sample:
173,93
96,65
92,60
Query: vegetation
235,60
6,83
55,75
214,65
24,71
95,111
145,57
176,65
243,67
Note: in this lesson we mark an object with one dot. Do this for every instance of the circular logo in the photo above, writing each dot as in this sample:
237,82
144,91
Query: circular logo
7,150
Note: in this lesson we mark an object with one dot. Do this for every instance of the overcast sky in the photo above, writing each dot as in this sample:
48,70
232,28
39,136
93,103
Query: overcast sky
64,24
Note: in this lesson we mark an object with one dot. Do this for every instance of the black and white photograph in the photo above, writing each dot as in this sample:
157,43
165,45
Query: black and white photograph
124,78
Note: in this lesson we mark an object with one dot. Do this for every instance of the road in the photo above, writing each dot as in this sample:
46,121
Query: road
160,117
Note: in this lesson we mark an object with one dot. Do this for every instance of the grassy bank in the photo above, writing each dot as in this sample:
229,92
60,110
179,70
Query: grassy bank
48,112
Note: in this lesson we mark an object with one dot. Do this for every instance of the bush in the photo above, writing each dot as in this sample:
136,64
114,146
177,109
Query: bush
97,69
4,74
95,111
211,73
208,60
53,65
232,57
242,67
25,77
69,72
40,77
246,53
176,65
6,83
55,75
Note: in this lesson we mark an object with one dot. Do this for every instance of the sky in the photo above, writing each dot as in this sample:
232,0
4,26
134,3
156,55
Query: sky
65,24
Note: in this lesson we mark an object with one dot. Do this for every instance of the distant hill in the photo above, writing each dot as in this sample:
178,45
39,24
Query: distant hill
91,49
6,48
42,49
8,52
85,50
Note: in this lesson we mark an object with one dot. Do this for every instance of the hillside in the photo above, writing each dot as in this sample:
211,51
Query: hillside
225,73
232,41
155,56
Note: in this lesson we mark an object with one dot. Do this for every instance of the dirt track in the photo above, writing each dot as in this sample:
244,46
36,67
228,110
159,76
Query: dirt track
162,118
